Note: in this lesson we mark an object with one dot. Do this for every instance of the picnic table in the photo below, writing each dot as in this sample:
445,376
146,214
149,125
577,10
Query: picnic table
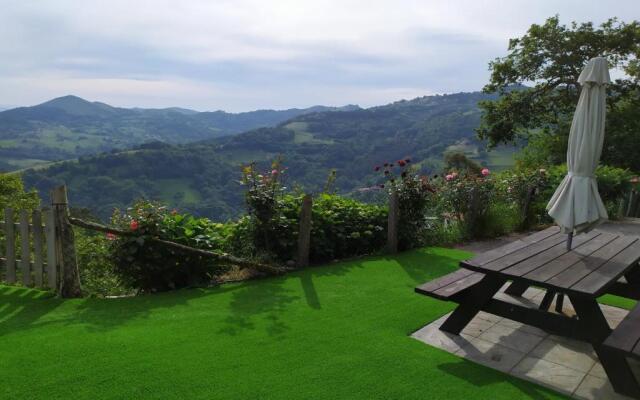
594,266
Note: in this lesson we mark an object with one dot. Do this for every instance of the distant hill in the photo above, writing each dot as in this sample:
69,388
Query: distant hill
69,127
203,177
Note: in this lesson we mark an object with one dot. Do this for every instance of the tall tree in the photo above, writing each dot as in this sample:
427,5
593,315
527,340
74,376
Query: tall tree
538,86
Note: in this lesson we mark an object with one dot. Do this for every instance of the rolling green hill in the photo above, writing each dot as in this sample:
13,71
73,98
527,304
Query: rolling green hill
203,177
69,127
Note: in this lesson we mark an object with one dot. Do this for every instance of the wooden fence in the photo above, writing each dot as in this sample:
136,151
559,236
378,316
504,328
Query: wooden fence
28,250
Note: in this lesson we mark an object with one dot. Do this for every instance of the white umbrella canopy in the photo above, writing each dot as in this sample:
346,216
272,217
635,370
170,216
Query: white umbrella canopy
576,205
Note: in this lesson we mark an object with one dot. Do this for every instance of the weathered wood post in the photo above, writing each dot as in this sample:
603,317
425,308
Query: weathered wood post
69,276
304,232
392,223
10,251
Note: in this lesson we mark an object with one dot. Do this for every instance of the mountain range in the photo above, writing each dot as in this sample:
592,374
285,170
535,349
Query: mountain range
68,127
202,177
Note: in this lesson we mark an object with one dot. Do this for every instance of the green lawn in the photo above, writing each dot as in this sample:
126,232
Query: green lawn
334,332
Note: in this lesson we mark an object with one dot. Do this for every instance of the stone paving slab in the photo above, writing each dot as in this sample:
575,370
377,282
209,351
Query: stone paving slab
568,366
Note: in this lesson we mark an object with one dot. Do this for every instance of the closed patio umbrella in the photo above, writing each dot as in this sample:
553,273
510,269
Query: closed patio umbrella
576,205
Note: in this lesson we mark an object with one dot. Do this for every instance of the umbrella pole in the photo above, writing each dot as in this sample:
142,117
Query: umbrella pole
569,240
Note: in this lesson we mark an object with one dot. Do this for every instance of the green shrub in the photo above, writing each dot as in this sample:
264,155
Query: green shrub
521,190
613,186
150,266
467,199
97,270
343,227
415,195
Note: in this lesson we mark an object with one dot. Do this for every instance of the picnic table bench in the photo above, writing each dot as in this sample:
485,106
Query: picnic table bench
594,266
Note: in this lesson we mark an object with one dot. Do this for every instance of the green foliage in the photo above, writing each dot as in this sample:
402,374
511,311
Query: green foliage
456,161
467,198
13,194
522,190
149,266
343,227
613,185
97,269
553,55
415,194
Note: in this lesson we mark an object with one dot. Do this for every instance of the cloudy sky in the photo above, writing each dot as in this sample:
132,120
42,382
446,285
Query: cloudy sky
244,54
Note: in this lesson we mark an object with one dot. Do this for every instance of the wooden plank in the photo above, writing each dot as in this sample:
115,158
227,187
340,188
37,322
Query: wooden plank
459,285
568,258
25,244
502,251
36,218
585,266
50,234
432,286
522,254
596,282
531,264
10,254
626,335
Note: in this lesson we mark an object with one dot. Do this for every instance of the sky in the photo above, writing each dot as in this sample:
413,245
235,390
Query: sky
244,55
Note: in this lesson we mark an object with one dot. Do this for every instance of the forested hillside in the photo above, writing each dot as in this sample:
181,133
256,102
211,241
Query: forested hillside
203,177
69,127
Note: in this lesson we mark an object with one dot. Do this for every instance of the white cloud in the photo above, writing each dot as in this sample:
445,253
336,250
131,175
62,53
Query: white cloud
270,53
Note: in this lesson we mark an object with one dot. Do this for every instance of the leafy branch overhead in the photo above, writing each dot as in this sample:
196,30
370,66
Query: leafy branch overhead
538,88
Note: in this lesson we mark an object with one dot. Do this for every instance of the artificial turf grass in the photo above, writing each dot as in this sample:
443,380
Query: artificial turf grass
337,331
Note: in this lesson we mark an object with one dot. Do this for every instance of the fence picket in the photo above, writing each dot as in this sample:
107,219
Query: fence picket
36,221
9,235
25,244
50,233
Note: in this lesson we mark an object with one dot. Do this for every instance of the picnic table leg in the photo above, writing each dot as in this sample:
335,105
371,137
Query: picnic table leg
516,288
546,300
472,303
615,364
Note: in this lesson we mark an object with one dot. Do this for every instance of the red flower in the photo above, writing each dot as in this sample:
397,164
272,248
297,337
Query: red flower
133,225
110,236
401,163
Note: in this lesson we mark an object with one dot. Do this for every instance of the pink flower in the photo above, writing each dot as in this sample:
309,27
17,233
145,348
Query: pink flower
274,172
133,225
485,172
449,177
110,236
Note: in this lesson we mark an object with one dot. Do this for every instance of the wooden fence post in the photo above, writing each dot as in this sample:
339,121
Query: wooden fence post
52,263
304,231
25,245
69,282
10,253
36,223
392,224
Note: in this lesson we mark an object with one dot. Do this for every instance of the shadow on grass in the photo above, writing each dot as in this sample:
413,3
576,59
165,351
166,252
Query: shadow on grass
479,375
261,300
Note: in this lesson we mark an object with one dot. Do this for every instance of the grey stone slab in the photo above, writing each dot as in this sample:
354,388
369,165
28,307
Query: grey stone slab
598,371
526,328
556,376
477,327
516,339
489,317
432,335
490,354
597,388
571,354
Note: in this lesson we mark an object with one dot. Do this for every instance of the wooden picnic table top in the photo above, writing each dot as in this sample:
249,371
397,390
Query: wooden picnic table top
595,262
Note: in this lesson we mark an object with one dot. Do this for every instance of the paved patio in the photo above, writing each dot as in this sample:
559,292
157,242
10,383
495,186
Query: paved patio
565,365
